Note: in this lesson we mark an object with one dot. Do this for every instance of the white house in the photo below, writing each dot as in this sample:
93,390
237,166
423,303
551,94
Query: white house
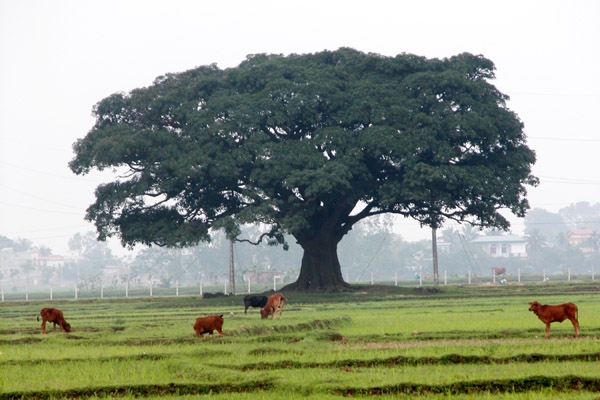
502,246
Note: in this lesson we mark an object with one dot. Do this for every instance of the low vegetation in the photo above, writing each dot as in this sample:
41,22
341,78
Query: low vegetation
469,342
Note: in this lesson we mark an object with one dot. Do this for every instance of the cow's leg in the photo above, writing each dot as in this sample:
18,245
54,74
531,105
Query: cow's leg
575,326
54,326
281,303
43,325
548,330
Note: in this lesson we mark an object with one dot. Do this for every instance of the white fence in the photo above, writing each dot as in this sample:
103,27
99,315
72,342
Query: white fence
75,292
212,290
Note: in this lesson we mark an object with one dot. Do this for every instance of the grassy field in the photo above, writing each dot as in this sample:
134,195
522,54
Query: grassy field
468,342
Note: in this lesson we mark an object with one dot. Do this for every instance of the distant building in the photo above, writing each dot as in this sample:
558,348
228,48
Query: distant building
263,276
502,246
581,238
443,247
15,259
54,261
18,267
30,268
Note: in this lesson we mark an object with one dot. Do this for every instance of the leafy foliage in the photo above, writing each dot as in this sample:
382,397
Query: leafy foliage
307,145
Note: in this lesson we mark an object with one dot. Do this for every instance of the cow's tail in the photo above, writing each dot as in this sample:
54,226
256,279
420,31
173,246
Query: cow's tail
38,318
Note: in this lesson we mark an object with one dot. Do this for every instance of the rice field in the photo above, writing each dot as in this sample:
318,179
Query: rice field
393,343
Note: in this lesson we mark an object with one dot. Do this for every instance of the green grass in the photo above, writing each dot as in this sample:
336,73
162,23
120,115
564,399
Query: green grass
394,342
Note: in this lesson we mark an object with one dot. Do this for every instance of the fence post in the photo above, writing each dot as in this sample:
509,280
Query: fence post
592,272
469,277
26,293
274,283
569,273
445,277
371,278
200,286
493,275
518,274
101,291
50,292
395,278
150,288
177,288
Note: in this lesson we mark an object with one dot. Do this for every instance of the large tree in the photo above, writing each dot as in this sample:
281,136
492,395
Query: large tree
307,145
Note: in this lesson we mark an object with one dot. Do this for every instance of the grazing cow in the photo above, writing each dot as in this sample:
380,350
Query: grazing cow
208,325
212,295
56,317
498,271
274,302
548,314
254,301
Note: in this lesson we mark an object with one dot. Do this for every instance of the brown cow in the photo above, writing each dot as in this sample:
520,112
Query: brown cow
548,314
274,302
209,324
498,271
56,317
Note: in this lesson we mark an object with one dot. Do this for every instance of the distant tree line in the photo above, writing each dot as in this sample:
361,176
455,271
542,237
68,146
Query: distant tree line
371,251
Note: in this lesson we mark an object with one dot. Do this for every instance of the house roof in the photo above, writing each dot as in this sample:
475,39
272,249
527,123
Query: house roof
580,232
499,239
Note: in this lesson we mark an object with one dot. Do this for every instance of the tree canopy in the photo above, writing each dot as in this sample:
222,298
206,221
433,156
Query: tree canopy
307,145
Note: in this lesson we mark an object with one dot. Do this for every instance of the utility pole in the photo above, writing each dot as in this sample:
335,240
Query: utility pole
434,252
231,268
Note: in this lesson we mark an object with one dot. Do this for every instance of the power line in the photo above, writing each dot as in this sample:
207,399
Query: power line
571,181
470,256
45,200
564,139
374,255
554,94
70,177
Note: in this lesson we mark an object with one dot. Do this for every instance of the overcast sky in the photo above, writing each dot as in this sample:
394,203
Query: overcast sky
58,58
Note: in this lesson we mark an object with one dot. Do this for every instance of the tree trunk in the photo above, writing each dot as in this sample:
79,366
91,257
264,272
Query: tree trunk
320,270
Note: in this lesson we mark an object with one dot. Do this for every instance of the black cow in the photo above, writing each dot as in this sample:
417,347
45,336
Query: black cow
254,301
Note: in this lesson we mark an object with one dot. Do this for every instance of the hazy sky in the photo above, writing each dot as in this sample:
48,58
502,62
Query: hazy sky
59,58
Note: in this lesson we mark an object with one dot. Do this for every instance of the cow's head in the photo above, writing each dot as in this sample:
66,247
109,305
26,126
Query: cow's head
67,327
533,306
264,313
